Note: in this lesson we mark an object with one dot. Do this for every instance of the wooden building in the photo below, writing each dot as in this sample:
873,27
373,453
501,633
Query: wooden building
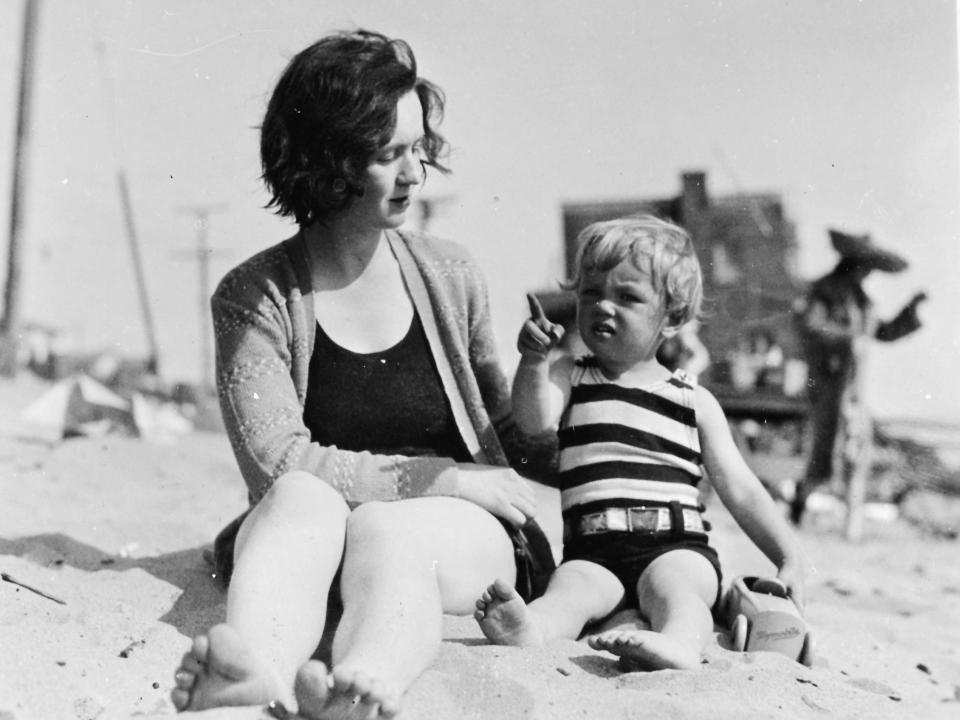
746,245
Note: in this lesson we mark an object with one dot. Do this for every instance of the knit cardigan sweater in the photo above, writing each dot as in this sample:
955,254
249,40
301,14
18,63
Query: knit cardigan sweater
264,327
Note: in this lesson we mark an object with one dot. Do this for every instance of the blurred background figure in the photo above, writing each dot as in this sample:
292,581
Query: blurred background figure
836,323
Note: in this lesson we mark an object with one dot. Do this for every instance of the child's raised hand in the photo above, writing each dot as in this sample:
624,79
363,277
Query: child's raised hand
538,334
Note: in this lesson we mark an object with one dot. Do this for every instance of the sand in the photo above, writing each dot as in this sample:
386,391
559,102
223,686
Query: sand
116,528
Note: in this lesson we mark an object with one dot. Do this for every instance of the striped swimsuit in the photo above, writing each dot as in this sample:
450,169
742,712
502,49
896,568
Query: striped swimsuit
624,446
619,442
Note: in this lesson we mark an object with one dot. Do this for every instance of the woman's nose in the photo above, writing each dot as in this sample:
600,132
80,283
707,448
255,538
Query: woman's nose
412,172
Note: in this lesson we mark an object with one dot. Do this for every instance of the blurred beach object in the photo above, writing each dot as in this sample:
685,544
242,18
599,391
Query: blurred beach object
157,421
79,406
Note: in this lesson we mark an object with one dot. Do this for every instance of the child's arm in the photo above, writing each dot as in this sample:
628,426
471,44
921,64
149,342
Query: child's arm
746,498
541,385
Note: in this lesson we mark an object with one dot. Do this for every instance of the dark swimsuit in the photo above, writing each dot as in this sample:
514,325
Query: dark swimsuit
392,402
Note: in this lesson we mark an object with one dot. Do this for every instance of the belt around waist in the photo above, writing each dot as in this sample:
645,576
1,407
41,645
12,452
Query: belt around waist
639,519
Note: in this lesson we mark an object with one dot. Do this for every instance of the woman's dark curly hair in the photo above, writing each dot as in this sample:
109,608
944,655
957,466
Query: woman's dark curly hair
333,108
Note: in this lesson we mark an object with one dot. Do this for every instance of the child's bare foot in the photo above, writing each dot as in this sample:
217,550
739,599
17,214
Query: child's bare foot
220,671
505,618
341,695
648,650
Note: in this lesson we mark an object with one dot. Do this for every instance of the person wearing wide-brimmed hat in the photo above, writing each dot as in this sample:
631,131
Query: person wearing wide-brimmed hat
836,320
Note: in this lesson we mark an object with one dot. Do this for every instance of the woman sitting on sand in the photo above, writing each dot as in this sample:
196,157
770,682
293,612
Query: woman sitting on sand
355,364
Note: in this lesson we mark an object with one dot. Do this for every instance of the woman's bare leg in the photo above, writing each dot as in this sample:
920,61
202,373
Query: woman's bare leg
579,592
675,593
287,553
406,564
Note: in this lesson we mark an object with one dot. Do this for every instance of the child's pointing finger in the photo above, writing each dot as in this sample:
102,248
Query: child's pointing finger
536,309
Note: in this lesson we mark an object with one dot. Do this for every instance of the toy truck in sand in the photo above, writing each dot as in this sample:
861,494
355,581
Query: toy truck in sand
761,616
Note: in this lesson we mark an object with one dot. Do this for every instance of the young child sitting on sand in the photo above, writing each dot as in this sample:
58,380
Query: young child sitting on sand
634,439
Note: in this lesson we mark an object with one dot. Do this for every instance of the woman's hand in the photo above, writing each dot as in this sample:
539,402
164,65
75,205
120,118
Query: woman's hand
538,335
499,490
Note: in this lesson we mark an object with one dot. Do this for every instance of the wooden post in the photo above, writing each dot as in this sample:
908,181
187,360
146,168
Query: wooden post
10,322
153,358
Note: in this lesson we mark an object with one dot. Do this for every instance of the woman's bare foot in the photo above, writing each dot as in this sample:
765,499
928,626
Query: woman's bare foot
505,618
220,671
648,650
341,695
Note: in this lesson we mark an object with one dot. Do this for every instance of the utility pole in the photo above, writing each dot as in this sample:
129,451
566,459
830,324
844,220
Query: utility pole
201,255
10,322
153,357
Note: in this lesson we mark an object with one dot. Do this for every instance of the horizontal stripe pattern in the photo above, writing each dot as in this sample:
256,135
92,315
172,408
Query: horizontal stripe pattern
639,491
630,437
601,452
619,441
631,416
625,471
589,393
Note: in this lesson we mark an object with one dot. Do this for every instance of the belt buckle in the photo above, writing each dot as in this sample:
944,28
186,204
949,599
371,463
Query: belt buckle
692,521
643,519
593,523
607,520
616,520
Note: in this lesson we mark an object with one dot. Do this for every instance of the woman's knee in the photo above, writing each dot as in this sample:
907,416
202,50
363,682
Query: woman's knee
299,494
426,527
377,526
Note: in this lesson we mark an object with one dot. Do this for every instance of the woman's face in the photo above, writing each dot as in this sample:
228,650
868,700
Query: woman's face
395,173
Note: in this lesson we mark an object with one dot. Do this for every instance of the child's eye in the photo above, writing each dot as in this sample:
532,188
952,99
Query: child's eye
631,298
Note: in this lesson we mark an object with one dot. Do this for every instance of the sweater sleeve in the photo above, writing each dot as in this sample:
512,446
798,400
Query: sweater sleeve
264,418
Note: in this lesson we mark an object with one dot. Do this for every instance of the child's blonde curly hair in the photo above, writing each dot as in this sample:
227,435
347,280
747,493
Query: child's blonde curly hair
666,248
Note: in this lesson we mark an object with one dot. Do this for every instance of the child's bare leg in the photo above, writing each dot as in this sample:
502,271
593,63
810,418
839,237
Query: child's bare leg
406,564
579,592
675,593
287,553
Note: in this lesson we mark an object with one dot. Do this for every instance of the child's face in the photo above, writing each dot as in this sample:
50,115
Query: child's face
620,315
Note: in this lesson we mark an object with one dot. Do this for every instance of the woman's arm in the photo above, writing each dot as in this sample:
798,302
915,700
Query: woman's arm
746,498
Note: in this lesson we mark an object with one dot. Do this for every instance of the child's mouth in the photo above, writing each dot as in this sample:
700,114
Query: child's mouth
603,329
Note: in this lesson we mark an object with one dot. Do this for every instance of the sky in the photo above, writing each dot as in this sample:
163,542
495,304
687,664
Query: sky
847,110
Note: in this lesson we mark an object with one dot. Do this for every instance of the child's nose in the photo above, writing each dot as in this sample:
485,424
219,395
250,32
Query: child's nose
604,306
